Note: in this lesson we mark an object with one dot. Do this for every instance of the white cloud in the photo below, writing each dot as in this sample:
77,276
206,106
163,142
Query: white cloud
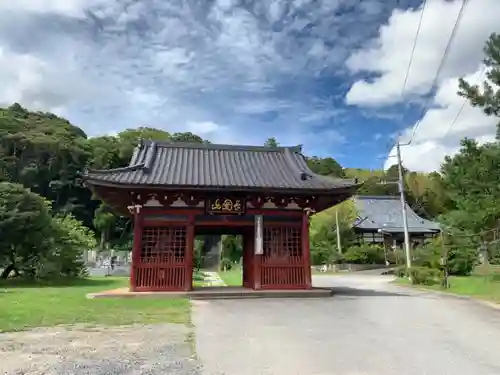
388,55
112,65
230,73
73,8
387,58
27,78
438,134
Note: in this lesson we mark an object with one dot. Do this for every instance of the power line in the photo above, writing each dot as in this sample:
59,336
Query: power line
452,124
408,68
440,67
415,40
461,109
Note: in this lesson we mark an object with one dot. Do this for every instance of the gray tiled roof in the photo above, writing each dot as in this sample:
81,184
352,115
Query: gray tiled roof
384,212
217,166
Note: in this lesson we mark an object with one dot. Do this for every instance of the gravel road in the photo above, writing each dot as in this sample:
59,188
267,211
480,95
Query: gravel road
369,328
148,350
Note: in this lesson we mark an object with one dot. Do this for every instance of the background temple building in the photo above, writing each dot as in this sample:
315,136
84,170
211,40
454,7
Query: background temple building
380,220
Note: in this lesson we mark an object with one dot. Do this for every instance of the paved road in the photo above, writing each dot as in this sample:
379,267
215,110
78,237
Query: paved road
369,328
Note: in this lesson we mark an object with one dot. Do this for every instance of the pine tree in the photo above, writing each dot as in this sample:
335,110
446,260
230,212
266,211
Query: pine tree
487,96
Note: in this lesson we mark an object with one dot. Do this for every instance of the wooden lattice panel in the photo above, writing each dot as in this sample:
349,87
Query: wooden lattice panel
163,245
282,245
150,278
282,264
162,262
275,277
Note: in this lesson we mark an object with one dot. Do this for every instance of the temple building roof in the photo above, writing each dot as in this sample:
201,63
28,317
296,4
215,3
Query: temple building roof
211,166
384,212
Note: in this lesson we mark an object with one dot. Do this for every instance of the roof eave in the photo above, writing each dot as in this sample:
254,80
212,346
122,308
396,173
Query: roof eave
397,229
89,180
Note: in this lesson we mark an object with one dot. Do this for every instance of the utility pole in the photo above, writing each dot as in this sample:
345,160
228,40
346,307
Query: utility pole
444,260
403,207
339,245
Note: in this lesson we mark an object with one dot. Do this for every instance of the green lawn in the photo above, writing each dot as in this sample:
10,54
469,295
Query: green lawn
474,286
233,277
26,306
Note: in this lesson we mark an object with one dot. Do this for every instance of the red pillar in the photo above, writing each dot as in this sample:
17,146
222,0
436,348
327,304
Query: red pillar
306,251
136,246
189,254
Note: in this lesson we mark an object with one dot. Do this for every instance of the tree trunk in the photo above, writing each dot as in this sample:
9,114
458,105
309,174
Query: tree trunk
103,239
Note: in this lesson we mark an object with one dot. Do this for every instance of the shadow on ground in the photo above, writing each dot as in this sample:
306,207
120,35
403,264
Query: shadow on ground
346,291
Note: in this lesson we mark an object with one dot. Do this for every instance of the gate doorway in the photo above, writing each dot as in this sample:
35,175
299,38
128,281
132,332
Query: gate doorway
220,256
217,261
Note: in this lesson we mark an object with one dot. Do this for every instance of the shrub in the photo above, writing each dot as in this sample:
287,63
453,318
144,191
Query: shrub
494,253
365,254
25,226
34,244
226,264
396,256
324,252
462,257
401,272
70,238
428,256
425,276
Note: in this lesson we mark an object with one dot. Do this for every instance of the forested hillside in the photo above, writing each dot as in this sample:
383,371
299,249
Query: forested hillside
46,153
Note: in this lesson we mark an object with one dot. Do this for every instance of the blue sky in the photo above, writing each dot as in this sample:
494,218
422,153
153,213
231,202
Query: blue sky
323,73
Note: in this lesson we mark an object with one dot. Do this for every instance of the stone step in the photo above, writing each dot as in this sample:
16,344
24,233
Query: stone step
216,293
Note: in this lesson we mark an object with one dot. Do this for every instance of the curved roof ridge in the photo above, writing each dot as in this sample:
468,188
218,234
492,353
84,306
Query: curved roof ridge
302,162
219,146
129,168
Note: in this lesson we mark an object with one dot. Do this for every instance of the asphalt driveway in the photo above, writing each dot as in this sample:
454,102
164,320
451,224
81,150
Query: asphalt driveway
370,327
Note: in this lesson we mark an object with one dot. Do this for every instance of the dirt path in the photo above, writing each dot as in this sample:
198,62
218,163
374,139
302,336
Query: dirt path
156,349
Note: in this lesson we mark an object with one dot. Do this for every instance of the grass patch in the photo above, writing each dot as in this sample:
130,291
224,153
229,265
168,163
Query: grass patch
483,270
481,287
27,305
233,277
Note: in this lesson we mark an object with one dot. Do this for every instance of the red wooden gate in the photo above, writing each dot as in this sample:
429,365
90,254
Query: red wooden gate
162,264
282,265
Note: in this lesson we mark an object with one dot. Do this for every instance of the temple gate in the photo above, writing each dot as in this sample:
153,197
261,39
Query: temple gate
174,190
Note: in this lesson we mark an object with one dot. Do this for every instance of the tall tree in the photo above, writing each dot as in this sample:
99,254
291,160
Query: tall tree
488,97
45,153
471,181
271,142
129,138
24,227
186,137
325,166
